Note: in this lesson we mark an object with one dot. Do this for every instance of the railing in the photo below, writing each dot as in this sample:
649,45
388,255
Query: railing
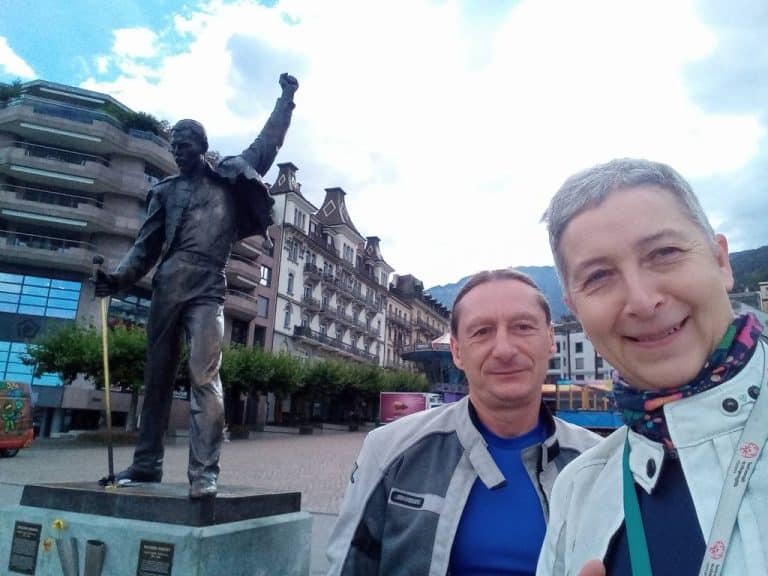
246,260
29,194
66,111
312,271
307,332
59,154
318,240
151,136
82,115
398,320
426,348
311,303
40,242
329,310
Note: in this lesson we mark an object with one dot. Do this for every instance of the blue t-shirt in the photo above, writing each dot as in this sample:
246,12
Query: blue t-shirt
501,530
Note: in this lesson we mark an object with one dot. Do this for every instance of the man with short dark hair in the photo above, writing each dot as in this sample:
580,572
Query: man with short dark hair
463,488
193,219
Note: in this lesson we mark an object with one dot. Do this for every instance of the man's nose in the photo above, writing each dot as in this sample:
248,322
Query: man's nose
643,294
504,344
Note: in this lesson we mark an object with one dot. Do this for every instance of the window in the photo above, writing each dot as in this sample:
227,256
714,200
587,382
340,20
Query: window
12,368
266,276
305,320
554,363
292,247
262,306
288,314
239,332
132,310
290,283
579,364
558,347
307,291
349,253
299,219
39,296
579,347
598,362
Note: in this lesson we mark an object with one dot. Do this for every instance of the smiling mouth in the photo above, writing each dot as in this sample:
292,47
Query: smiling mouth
658,336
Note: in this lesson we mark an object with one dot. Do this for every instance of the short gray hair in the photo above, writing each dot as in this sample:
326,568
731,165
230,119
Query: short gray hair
590,188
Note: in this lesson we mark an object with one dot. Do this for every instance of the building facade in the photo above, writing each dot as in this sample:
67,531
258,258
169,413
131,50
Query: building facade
332,287
575,358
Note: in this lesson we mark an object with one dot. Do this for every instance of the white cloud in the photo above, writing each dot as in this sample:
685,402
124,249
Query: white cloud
448,128
134,43
12,63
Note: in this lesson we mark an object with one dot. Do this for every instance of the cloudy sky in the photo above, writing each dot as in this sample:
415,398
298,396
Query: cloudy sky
449,124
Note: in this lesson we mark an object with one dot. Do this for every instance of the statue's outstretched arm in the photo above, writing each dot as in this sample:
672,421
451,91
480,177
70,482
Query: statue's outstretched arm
263,151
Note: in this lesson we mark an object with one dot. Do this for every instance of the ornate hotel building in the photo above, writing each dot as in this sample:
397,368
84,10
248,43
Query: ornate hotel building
332,288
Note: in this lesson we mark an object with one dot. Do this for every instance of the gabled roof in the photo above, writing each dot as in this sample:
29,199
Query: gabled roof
333,211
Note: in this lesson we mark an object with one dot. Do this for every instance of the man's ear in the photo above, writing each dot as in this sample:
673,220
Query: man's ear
723,261
455,353
552,346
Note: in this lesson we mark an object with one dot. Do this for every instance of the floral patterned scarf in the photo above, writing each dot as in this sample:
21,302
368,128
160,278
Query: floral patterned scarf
643,410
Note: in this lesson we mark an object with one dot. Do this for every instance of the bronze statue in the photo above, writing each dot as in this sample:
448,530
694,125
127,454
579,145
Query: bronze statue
192,221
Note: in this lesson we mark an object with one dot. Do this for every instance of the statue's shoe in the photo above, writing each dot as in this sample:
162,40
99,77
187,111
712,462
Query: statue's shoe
133,475
202,487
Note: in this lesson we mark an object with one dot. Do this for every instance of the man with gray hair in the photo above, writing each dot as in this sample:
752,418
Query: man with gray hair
193,219
648,278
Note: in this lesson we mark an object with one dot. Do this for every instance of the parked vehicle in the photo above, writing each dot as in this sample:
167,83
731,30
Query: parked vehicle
16,428
394,405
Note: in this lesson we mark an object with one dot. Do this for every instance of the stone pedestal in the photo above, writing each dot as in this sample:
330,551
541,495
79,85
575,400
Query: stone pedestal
155,530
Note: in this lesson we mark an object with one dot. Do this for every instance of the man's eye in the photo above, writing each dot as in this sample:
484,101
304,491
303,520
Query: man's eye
596,277
665,253
481,332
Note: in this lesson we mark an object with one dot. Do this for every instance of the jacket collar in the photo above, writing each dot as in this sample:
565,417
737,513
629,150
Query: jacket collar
701,417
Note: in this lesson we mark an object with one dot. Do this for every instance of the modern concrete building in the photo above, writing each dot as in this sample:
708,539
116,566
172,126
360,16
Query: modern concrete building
332,286
575,358
73,182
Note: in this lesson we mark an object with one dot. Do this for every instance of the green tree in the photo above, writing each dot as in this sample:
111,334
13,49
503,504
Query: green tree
404,381
67,351
8,91
76,349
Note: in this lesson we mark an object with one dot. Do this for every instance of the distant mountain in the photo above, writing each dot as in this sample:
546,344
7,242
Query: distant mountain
749,268
544,276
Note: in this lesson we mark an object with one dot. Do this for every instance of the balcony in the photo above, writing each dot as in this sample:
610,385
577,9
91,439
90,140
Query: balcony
90,130
329,311
39,250
312,273
48,165
243,272
330,280
332,344
240,305
56,207
398,320
311,304
344,318
320,242
252,248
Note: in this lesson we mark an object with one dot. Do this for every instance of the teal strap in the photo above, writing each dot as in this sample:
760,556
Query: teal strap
633,521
